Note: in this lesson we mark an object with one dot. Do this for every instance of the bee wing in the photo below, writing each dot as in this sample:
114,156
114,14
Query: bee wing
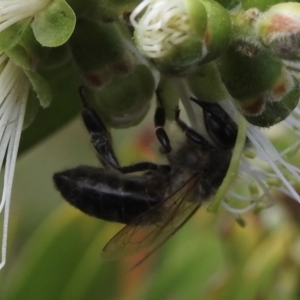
179,207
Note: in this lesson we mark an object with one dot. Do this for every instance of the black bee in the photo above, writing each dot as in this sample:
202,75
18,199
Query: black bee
158,200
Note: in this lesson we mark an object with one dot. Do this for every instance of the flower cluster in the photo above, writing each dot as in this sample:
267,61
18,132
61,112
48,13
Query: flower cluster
242,55
19,75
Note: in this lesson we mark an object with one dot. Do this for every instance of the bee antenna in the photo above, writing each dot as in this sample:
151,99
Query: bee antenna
202,104
212,108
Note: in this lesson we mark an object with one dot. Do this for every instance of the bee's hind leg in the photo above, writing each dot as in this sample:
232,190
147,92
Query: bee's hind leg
159,121
100,136
101,140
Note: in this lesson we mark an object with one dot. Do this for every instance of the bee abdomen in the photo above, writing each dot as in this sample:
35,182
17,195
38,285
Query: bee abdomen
109,195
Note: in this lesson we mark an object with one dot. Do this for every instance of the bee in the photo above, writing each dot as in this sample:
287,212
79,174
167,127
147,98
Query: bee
153,200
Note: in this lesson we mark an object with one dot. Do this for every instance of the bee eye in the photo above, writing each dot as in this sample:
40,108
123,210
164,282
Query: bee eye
219,125
221,132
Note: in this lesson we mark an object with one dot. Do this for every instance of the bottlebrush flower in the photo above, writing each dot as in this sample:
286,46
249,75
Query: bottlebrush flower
260,168
178,35
14,89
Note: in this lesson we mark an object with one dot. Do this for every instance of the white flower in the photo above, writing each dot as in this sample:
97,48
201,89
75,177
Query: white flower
164,25
260,170
14,89
265,171
12,11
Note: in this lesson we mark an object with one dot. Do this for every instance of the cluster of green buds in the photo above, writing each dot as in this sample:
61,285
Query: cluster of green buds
190,34
237,53
243,54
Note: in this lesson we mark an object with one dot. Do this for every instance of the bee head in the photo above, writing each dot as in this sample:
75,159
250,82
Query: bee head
219,125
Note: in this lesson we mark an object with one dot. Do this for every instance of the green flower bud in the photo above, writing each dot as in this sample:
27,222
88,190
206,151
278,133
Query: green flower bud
265,92
206,84
276,111
243,30
218,31
248,77
125,101
96,46
171,33
279,29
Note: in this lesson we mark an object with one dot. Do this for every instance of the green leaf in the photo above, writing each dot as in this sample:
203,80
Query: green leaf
10,36
54,25
41,87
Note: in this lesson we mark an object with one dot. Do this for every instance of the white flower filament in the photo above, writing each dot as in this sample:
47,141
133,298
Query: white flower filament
12,11
163,25
14,89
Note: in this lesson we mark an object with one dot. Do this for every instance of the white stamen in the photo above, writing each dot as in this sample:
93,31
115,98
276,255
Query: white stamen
14,87
270,155
251,169
292,122
164,24
238,211
12,11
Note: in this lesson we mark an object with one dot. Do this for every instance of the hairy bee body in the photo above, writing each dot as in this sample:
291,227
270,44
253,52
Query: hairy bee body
153,200
116,197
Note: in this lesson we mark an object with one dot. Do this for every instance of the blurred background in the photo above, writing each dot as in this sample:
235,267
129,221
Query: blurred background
54,250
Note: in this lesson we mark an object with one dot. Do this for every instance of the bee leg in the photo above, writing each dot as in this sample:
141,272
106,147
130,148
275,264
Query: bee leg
100,137
190,133
144,166
159,122
101,140
219,125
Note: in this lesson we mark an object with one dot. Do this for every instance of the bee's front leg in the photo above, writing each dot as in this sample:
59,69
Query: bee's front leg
190,133
159,122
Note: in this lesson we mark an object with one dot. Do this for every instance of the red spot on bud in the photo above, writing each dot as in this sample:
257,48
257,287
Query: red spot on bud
254,106
97,79
122,67
280,89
